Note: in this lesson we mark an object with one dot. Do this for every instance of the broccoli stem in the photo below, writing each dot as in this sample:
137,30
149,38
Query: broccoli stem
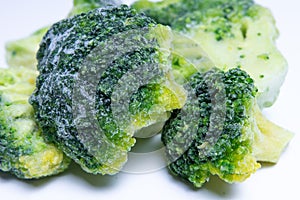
271,141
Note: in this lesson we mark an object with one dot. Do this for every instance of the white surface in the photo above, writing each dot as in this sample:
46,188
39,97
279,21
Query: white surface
19,18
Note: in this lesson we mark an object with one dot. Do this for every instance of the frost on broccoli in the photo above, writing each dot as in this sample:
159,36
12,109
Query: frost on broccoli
23,151
103,75
221,131
233,33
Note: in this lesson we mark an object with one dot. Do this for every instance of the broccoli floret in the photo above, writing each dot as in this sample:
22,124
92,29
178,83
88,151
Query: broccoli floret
219,130
233,33
218,138
23,151
89,64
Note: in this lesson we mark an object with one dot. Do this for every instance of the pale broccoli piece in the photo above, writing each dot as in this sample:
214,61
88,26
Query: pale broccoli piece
23,151
270,140
233,33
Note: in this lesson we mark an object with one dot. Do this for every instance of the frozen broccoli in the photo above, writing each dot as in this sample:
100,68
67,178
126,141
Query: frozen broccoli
23,151
233,33
88,65
29,156
219,130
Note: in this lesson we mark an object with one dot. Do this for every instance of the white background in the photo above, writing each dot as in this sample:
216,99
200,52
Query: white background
19,18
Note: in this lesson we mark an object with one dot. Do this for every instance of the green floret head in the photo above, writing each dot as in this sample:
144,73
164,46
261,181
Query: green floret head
104,75
213,133
233,33
23,151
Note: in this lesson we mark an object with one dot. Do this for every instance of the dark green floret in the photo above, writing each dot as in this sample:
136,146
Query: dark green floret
89,64
222,142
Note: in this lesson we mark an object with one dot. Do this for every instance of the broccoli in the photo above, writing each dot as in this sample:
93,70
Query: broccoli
270,140
104,75
233,33
217,131
23,151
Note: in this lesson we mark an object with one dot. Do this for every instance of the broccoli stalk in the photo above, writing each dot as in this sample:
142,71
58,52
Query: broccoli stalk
233,33
104,75
270,140
23,151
